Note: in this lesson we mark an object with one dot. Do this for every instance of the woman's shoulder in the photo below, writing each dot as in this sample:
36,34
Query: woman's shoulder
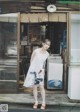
37,49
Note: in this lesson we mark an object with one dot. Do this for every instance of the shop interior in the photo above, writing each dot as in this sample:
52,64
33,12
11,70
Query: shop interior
31,35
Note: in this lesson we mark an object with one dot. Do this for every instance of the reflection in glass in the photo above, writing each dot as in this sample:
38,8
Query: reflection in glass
8,53
8,42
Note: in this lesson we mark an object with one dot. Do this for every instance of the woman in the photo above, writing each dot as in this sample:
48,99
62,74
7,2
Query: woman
35,75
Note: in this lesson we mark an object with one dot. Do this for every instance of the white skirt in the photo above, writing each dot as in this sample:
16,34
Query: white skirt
30,79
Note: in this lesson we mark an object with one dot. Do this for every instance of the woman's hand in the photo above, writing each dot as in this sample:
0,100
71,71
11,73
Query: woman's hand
39,71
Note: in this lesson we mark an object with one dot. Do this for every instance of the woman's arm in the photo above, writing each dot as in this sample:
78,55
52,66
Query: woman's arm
32,56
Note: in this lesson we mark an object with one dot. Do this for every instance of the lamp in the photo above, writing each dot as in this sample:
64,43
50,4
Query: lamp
51,8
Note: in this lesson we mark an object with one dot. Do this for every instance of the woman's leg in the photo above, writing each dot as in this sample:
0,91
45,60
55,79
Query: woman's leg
42,90
35,93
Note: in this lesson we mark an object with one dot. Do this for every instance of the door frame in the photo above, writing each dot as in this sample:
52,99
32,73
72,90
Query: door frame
68,13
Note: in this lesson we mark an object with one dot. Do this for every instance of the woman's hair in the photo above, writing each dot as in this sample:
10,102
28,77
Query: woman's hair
46,40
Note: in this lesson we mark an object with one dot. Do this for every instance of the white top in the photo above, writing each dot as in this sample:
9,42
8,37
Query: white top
38,60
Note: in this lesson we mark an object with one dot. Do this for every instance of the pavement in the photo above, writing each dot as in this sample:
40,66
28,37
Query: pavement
24,102
51,99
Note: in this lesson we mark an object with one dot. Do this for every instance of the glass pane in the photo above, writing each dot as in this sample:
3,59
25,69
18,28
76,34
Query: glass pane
75,39
8,47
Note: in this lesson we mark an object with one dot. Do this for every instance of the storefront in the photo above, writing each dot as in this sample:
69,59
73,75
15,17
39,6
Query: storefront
20,34
34,28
